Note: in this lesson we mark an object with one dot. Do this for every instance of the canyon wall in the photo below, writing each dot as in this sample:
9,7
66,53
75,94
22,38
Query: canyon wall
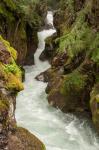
73,78
11,136
19,24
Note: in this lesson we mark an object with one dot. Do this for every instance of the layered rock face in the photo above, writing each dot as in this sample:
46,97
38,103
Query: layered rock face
12,137
74,74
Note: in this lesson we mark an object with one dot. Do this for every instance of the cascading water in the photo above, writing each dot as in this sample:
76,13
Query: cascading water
57,130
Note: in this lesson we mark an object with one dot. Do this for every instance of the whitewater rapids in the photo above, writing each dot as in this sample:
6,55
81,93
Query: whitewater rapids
57,130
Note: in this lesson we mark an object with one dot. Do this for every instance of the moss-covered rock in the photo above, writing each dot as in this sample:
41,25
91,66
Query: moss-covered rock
10,84
15,17
94,104
70,93
76,56
10,73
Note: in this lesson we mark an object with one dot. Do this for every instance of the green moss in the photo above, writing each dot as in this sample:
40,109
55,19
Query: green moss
95,94
94,46
12,82
74,81
13,68
29,11
97,98
12,51
5,13
78,38
94,104
4,106
11,4
67,4
11,73
22,31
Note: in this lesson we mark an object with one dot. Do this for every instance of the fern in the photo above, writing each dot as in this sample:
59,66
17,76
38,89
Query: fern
28,9
78,38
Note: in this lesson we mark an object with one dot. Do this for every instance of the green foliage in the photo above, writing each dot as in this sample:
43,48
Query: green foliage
73,81
67,4
80,37
77,40
5,13
13,68
25,9
12,51
28,10
11,73
94,46
10,3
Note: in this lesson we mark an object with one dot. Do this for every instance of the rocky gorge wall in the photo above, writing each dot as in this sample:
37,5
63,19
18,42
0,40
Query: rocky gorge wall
20,29
20,21
11,136
73,78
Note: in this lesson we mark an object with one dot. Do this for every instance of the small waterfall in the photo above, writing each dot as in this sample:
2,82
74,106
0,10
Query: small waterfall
57,130
49,18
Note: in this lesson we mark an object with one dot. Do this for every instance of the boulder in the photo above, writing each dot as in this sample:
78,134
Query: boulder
22,139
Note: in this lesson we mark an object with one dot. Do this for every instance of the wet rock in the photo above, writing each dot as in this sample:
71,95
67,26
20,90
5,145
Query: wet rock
56,99
49,51
44,76
40,77
59,60
49,26
32,44
49,74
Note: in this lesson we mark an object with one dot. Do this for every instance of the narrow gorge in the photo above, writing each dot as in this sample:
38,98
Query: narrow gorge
57,130
49,75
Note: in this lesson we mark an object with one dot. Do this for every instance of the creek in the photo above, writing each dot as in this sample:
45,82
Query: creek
57,130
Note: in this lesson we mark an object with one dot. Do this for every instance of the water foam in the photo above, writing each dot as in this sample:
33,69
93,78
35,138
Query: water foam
57,130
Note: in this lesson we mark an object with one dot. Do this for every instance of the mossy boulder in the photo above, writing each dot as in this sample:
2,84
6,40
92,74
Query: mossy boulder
10,73
70,92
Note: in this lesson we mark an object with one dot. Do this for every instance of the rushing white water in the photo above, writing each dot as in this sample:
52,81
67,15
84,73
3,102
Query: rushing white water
49,18
57,130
